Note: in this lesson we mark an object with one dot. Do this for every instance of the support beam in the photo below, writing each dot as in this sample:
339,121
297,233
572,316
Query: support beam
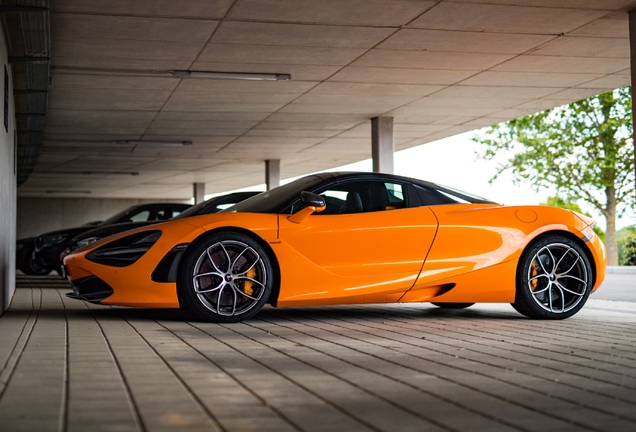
272,173
382,145
632,55
198,192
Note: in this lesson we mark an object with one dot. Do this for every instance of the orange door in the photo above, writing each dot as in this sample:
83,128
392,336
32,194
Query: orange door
351,258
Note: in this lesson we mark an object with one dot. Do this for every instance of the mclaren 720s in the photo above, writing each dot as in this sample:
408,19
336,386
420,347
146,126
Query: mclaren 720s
338,238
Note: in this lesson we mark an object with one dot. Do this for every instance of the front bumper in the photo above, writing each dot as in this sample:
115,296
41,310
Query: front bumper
91,289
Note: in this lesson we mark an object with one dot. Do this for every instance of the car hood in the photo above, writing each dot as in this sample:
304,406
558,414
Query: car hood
71,232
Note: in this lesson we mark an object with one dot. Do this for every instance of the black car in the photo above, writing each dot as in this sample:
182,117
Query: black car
48,247
213,205
24,253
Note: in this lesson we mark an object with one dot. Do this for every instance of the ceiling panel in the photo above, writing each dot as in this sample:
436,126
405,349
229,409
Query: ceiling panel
463,41
579,46
209,9
429,60
508,18
335,12
257,33
530,79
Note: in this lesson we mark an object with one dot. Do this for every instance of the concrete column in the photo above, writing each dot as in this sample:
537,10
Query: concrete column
632,55
272,173
382,145
198,192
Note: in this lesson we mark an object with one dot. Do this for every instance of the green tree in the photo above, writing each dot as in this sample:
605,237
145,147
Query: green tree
584,150
629,251
555,201
622,236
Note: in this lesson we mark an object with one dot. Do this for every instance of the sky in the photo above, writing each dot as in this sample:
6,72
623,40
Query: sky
465,171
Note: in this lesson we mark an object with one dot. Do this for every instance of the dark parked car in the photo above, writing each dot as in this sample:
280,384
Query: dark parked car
47,247
24,253
213,205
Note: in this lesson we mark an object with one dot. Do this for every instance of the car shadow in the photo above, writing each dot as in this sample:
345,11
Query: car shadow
324,313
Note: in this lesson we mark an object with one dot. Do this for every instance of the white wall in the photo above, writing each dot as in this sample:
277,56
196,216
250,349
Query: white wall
7,187
39,215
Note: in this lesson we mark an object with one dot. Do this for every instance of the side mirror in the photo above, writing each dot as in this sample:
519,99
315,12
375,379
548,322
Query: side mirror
311,199
311,203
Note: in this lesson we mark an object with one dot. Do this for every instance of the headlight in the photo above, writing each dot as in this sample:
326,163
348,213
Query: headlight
86,241
55,239
124,251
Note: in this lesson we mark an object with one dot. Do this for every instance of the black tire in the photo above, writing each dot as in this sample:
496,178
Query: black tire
554,279
453,305
32,268
225,277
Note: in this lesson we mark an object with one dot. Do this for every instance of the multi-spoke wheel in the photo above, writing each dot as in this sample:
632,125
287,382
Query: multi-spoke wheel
226,277
554,278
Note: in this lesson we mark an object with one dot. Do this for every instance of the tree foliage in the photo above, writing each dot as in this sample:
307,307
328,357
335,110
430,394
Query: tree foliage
584,150
629,251
622,236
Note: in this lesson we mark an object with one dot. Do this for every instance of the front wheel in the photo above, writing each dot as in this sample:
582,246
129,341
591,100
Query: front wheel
32,268
225,277
554,279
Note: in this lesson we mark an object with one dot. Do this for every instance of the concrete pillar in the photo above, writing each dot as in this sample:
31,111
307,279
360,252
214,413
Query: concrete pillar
632,45
272,173
198,192
382,145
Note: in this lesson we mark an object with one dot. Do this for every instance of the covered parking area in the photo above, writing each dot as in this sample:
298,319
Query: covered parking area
128,110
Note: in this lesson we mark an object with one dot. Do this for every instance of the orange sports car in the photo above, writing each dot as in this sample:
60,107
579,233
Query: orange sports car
337,238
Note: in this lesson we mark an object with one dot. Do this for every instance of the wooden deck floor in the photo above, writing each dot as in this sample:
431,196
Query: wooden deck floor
66,365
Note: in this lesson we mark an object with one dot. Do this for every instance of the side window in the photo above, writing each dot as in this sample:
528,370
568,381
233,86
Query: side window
362,197
430,197
396,196
142,216
163,214
220,207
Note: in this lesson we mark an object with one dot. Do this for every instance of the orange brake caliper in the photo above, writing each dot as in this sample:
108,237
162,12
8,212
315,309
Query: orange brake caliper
533,273
247,285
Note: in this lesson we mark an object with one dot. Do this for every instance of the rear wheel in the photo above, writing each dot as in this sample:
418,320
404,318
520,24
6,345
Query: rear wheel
554,279
225,277
452,305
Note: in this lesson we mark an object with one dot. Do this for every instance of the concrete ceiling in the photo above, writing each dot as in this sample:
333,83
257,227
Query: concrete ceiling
438,67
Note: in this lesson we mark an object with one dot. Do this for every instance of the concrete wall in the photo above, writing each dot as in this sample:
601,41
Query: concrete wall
39,215
7,188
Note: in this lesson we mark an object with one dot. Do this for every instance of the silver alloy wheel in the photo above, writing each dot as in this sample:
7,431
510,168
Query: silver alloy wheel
557,278
229,278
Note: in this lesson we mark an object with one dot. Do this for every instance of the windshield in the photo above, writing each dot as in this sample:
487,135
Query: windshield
117,218
192,210
272,201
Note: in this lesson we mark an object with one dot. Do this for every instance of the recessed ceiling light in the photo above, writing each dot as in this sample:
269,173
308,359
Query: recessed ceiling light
131,173
156,143
231,75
